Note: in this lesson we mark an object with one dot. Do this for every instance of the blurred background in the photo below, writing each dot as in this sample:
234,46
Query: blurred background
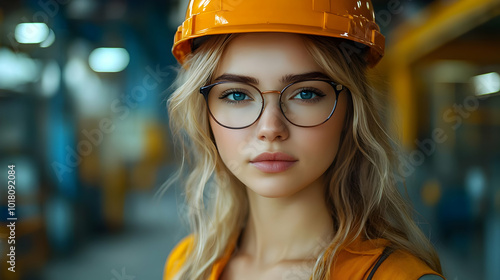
83,88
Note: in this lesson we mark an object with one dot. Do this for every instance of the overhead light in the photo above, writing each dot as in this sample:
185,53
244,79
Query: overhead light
109,59
51,79
81,9
17,69
486,83
31,33
49,40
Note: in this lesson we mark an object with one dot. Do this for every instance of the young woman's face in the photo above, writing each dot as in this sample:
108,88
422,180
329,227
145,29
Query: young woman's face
273,157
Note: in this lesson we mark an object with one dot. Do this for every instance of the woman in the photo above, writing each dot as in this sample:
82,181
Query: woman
290,168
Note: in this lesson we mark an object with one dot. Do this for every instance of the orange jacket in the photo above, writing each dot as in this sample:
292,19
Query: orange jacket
353,262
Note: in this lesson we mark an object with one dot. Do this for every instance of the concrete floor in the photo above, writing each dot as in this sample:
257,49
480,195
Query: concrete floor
139,252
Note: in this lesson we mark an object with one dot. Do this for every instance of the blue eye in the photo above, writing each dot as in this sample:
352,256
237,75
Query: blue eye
305,94
237,96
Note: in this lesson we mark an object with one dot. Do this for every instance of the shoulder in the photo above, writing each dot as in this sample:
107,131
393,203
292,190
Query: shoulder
177,257
362,257
403,265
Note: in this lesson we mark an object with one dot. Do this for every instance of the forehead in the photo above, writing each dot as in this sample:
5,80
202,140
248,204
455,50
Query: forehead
266,56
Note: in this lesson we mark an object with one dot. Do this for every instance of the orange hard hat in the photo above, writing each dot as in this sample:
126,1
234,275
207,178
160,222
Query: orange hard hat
348,19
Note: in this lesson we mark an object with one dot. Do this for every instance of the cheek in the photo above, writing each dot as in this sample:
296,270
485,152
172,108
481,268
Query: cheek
320,145
221,138
323,141
230,143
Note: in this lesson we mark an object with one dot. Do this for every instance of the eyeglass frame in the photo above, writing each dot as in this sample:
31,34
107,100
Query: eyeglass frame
337,88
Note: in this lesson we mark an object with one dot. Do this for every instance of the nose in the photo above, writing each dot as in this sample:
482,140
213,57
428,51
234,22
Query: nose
272,125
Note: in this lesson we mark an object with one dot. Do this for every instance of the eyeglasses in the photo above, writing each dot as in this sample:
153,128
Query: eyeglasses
306,103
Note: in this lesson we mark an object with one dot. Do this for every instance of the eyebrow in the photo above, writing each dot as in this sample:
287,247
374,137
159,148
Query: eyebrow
287,79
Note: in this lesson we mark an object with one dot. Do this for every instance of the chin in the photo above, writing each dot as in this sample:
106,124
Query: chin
273,190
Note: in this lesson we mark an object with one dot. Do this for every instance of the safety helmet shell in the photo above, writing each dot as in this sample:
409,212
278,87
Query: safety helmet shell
347,19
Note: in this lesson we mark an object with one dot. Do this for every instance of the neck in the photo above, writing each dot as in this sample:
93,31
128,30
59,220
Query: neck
286,229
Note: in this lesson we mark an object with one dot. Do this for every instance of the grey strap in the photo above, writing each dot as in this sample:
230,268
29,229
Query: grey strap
431,277
387,251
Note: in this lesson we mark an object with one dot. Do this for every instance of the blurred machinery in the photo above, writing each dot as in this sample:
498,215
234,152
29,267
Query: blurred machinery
442,68
82,117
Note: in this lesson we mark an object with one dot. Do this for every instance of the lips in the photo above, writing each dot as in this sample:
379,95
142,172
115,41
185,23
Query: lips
273,162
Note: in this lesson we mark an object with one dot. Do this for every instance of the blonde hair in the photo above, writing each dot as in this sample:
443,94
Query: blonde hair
362,191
